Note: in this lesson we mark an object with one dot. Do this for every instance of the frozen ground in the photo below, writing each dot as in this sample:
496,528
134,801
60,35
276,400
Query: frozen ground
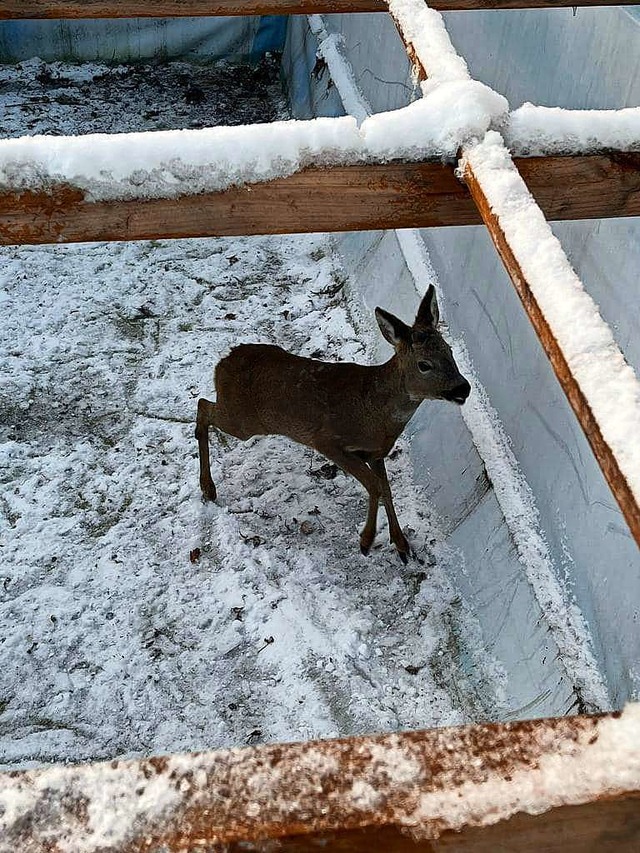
136,619
54,98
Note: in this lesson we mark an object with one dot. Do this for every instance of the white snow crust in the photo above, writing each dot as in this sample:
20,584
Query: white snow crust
114,642
170,163
608,382
534,130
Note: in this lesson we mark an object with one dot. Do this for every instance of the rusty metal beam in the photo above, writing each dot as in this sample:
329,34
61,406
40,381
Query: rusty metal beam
394,792
12,9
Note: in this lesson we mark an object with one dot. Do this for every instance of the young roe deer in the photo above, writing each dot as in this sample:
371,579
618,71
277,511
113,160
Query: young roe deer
351,413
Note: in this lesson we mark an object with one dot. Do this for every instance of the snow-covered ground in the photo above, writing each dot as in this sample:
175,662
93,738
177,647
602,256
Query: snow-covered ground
133,617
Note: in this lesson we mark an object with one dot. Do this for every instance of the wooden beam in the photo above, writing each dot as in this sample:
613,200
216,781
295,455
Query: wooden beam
615,177
601,450
352,198
14,9
599,186
395,195
413,791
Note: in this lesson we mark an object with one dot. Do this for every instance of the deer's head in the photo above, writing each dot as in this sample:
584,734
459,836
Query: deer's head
425,359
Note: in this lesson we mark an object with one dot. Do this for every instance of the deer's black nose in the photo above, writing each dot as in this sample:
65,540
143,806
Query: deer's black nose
458,394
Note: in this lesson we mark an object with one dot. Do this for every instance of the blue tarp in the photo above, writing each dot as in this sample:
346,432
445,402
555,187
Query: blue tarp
141,39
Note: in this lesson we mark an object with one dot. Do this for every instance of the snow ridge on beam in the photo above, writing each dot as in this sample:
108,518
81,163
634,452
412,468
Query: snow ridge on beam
535,131
601,387
173,163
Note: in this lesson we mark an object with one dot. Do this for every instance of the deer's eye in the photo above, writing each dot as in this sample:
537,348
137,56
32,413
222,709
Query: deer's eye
425,366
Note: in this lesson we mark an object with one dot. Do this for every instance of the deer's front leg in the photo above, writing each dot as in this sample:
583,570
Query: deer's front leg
353,464
206,418
395,531
369,530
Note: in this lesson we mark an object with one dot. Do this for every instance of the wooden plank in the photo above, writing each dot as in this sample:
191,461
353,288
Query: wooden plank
396,195
584,186
354,198
13,9
394,792
579,404
606,826
615,178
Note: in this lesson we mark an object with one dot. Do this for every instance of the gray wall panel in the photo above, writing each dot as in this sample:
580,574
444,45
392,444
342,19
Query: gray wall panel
548,57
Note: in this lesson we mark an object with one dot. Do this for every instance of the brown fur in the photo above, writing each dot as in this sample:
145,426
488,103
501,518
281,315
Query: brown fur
351,413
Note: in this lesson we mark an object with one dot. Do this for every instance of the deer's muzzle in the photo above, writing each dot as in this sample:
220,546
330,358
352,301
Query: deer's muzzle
458,394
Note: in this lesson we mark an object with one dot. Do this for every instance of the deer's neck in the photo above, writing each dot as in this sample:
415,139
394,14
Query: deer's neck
390,395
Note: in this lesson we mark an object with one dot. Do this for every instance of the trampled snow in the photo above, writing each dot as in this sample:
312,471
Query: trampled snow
134,618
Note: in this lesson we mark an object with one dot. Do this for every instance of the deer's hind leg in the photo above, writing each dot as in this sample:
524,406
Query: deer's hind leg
352,463
206,417
395,531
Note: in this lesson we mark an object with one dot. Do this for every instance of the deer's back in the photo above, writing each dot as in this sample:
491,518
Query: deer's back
263,389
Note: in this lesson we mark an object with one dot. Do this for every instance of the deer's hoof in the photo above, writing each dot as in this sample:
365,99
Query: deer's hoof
364,550
209,492
403,556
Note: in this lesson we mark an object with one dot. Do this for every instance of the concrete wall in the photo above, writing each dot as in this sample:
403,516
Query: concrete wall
547,57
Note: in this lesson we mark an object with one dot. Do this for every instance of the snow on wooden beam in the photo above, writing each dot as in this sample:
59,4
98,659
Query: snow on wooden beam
566,785
11,9
583,408
601,387
348,198
371,197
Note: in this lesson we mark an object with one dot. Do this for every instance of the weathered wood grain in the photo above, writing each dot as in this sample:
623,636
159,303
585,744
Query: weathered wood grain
346,198
395,792
11,9
332,199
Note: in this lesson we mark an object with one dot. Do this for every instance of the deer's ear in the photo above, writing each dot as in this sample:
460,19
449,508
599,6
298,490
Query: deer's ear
393,329
428,312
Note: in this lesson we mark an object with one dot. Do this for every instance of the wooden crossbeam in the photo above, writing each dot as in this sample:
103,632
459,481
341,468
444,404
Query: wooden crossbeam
577,399
552,207
13,9
414,791
372,197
